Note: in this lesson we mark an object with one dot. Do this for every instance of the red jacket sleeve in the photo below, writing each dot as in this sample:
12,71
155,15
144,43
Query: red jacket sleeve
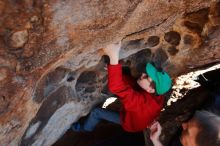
131,99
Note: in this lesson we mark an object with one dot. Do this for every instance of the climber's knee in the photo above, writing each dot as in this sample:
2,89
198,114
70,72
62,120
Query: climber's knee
96,112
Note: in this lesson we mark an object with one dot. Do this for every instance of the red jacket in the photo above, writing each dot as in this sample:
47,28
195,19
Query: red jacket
140,108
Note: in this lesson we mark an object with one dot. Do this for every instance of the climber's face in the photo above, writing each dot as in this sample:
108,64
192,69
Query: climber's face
189,133
145,82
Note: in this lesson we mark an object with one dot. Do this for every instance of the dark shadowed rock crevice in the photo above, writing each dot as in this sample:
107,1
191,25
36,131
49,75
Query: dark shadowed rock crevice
106,134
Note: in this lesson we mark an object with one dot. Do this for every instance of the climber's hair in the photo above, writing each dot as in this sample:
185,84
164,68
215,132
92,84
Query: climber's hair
209,128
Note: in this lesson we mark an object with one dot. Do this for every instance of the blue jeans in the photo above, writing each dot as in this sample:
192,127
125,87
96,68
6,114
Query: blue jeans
99,114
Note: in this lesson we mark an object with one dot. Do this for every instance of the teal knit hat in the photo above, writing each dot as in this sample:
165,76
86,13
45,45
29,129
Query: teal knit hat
162,80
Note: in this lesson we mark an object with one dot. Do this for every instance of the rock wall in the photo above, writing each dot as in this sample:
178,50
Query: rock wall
51,67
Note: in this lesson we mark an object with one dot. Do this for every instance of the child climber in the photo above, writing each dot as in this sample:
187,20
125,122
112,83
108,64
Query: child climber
141,102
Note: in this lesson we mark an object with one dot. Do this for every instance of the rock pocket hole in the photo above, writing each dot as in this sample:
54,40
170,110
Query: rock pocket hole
153,41
172,37
70,79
